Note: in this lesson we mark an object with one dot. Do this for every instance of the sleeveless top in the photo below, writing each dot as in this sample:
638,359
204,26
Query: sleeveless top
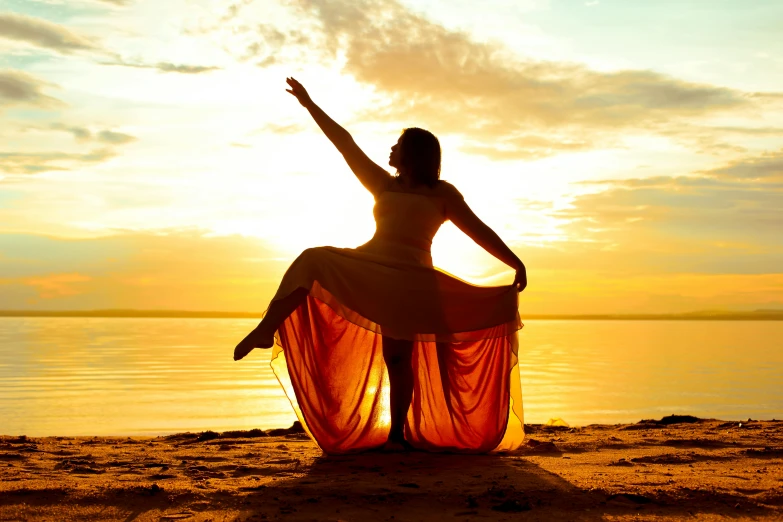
410,218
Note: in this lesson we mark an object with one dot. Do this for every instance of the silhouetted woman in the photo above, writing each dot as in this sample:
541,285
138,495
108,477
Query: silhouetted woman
376,347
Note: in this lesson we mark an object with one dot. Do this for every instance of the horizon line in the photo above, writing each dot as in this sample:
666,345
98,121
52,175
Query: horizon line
760,314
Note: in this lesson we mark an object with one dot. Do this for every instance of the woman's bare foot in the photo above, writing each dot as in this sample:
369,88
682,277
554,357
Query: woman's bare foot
396,446
392,446
258,338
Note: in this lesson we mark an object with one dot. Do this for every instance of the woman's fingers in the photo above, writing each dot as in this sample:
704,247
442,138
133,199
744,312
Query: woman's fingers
520,282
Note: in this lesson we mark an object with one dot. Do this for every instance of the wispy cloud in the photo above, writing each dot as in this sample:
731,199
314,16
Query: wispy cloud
280,128
43,33
21,88
527,147
114,138
37,162
767,168
83,134
166,67
79,133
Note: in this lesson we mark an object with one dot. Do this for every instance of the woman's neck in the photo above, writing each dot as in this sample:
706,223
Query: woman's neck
407,183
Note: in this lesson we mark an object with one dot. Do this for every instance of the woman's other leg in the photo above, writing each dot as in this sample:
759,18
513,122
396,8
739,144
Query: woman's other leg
397,354
263,335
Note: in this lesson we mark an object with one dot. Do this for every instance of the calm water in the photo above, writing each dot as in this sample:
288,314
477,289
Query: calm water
77,376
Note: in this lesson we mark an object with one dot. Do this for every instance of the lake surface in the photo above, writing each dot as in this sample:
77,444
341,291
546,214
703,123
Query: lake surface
98,376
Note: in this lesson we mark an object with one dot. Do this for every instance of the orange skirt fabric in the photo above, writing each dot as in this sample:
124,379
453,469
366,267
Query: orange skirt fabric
328,354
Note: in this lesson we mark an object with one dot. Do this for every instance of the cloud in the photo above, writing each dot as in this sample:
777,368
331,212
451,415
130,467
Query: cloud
21,88
723,220
37,162
79,133
526,147
280,128
451,83
82,134
184,69
768,167
167,67
43,33
114,138
117,2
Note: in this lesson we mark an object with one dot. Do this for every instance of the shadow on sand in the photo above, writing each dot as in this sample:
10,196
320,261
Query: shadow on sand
426,486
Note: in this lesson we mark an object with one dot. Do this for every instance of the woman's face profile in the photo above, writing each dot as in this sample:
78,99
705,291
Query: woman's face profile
394,156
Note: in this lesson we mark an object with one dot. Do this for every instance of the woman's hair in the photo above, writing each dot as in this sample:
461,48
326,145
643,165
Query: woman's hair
420,156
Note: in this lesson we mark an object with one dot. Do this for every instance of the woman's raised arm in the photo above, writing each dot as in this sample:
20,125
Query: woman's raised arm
463,217
370,174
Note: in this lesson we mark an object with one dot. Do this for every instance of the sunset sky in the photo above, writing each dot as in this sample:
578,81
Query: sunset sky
630,152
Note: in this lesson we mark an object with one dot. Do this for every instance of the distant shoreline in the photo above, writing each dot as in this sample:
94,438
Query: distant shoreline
756,315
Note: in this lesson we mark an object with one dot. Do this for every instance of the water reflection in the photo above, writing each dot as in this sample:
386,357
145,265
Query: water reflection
69,376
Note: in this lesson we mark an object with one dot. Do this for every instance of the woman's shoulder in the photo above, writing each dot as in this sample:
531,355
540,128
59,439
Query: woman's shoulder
448,190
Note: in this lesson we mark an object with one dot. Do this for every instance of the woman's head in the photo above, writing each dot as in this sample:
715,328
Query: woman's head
416,156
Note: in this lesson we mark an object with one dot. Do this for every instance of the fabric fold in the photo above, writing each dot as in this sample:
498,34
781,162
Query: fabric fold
467,395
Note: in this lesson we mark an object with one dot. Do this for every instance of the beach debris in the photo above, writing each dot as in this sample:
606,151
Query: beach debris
207,435
243,434
79,466
646,424
512,506
557,422
666,458
296,427
633,497
177,516
537,446
674,419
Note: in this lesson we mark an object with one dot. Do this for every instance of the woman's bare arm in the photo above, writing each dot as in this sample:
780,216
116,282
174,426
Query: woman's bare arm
370,174
463,217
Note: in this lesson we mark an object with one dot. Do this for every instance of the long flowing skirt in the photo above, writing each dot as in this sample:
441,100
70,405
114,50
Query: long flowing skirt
328,354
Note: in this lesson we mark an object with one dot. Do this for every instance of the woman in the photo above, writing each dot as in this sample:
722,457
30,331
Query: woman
376,347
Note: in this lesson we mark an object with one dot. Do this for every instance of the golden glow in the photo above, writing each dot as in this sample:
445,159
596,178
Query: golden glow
626,180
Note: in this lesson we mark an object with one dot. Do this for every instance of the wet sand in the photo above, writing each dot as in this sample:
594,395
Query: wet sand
655,470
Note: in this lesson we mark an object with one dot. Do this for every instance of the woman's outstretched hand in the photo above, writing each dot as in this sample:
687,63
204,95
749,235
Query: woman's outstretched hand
520,280
298,90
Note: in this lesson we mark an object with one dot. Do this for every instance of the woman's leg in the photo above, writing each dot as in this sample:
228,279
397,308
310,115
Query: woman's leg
397,354
263,335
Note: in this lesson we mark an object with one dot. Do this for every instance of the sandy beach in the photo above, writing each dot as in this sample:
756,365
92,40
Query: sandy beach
670,469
